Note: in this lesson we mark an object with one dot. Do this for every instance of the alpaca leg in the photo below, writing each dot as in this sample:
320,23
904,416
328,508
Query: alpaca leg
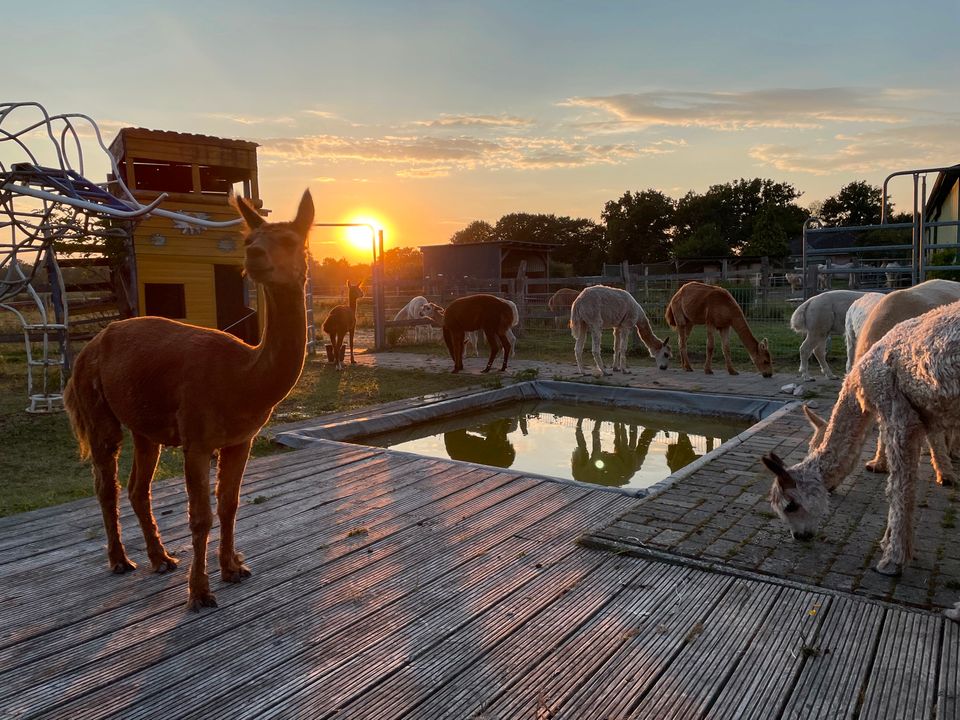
806,349
707,365
616,349
507,347
725,347
146,454
352,359
595,348
903,451
581,340
494,344
230,468
820,352
683,332
625,333
940,458
196,468
879,462
105,452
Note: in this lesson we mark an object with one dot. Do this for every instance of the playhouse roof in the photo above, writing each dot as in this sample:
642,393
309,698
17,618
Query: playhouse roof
171,136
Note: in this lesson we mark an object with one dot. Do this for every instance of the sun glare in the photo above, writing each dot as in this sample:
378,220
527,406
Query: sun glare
360,238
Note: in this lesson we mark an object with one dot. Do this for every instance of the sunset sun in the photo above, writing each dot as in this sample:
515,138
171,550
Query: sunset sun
360,238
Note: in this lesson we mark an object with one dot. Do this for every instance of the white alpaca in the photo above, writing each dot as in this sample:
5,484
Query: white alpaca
794,279
853,323
911,380
599,307
894,308
413,310
896,278
820,317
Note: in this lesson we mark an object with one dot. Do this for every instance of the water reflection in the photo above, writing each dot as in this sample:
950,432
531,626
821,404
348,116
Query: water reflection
606,446
486,445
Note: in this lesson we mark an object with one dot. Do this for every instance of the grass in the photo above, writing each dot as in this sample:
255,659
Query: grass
38,456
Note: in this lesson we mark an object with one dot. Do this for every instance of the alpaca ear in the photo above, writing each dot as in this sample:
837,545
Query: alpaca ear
304,219
815,420
775,465
666,341
251,217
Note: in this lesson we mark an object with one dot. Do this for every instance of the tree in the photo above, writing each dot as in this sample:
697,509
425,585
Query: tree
527,227
403,264
477,231
857,203
639,227
582,244
768,237
704,242
734,207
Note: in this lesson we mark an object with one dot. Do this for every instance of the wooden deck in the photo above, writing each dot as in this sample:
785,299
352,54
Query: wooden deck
388,586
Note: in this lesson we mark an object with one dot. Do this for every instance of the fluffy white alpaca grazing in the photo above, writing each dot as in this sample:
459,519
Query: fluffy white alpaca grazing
820,317
599,307
911,380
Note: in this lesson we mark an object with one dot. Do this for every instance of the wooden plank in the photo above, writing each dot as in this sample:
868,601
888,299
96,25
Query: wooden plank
695,675
633,668
764,676
829,685
901,682
948,691
529,673
163,678
297,529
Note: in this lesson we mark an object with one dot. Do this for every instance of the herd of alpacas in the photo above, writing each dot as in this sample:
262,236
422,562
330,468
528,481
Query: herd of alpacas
903,374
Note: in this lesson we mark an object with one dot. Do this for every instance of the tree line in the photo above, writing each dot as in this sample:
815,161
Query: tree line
743,217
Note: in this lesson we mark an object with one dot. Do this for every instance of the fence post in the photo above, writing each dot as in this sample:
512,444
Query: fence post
764,279
723,270
520,296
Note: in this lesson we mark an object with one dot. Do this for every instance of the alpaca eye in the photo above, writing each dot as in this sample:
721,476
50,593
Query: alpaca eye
791,507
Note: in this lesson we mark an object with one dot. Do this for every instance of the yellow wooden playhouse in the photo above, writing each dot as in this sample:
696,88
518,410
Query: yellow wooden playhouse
183,271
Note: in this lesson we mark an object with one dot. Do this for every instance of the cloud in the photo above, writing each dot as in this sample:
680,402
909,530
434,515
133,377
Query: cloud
910,146
782,108
252,119
483,121
418,156
323,179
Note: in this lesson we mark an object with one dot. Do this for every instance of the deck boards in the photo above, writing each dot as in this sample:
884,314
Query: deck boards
388,586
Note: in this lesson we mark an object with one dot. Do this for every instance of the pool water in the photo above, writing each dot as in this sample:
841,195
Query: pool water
596,444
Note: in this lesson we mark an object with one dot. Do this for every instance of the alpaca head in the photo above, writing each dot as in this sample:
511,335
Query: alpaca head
276,253
354,292
763,360
433,312
662,357
797,495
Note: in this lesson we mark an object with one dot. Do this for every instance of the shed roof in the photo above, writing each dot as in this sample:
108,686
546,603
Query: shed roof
941,188
502,244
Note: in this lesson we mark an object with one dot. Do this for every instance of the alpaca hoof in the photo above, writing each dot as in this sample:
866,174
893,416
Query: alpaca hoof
707,371
734,372
352,361
889,568
123,566
165,564
953,613
876,467
455,370
235,575
688,369
947,480
199,600
607,372
486,369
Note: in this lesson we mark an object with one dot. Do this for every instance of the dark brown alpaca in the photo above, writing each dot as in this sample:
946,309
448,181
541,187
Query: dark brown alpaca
475,312
203,390
342,320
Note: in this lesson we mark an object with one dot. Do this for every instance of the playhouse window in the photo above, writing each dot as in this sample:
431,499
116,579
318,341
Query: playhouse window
165,300
217,180
163,176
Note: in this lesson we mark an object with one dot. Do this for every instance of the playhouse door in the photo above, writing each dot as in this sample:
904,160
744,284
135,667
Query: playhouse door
233,315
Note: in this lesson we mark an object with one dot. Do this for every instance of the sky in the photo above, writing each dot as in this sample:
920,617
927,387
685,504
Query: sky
425,116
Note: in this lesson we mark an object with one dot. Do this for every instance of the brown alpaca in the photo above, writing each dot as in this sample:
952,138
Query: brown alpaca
698,304
475,312
204,390
560,302
341,321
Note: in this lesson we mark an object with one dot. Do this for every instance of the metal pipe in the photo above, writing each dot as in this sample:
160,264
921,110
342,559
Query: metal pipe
886,180
916,241
923,246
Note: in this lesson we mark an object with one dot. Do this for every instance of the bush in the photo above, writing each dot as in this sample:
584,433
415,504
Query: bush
943,257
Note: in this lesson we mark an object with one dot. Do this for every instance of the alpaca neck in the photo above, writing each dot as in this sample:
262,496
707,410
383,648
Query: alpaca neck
740,327
653,343
839,451
279,356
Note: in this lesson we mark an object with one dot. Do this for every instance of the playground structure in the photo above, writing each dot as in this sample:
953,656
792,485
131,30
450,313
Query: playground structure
47,205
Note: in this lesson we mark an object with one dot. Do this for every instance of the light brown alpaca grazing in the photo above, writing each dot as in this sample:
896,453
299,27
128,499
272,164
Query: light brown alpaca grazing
341,321
203,390
560,302
698,304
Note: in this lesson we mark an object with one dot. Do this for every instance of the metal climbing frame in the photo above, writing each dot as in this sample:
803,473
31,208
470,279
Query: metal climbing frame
45,199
